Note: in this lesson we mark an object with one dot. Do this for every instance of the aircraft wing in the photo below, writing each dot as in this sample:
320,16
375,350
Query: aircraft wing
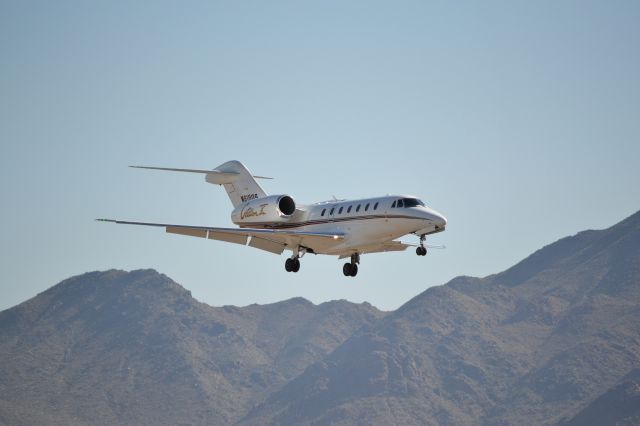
379,248
271,240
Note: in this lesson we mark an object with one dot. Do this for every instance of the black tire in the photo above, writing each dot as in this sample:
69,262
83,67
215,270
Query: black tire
346,269
419,251
295,267
424,251
288,265
354,269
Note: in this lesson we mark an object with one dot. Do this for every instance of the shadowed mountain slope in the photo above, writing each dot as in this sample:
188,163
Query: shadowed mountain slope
535,344
135,348
620,405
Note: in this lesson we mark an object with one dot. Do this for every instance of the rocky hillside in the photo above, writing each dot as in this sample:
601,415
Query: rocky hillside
540,343
135,348
553,340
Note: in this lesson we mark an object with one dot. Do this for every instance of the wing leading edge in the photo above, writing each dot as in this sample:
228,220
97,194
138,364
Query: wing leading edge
271,240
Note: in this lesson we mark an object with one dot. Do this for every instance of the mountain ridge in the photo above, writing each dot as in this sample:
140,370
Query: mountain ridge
150,332
552,340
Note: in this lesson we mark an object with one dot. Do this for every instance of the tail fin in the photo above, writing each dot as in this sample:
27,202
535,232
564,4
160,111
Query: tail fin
237,181
240,184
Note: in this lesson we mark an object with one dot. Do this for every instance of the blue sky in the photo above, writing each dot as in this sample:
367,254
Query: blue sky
517,120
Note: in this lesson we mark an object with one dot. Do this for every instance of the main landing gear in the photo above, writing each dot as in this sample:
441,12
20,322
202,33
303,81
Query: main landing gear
350,269
292,265
422,250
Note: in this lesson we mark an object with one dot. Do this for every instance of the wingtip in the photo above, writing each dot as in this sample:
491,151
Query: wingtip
104,220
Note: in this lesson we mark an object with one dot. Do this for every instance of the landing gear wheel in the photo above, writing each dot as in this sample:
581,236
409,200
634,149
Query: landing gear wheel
350,269
346,269
295,267
292,265
354,270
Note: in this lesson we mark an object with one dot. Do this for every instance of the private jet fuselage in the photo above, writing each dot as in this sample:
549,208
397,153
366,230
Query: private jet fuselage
344,228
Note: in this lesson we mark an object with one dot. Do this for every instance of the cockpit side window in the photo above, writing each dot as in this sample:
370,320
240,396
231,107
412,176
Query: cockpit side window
399,204
393,206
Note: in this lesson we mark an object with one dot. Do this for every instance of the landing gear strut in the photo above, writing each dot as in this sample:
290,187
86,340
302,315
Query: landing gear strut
350,269
422,250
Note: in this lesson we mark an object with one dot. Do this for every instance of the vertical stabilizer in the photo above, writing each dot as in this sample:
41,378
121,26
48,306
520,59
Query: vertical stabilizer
239,183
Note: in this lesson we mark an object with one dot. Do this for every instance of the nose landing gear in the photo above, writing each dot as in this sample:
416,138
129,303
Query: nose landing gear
422,250
350,269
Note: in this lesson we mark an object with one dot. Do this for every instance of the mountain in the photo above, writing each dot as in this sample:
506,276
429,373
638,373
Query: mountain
539,343
553,340
119,347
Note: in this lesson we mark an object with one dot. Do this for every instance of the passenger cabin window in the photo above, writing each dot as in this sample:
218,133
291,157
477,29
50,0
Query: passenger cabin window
375,206
393,206
349,209
340,211
358,208
323,210
331,212
366,207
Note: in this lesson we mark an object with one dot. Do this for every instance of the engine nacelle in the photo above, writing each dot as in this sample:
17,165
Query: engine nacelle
274,208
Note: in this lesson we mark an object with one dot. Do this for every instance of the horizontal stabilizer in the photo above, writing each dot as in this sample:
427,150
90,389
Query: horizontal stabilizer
217,173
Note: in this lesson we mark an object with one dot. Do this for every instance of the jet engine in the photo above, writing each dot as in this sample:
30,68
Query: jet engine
274,208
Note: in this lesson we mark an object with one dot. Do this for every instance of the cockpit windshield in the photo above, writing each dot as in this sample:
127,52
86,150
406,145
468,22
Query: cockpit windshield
407,202
412,202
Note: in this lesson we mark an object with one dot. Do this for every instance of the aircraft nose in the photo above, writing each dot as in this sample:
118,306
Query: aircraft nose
438,219
433,218
441,221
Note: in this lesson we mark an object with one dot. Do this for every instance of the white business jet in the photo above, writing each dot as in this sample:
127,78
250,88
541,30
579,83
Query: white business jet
344,228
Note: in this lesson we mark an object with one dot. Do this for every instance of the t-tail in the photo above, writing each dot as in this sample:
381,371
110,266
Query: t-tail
239,183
